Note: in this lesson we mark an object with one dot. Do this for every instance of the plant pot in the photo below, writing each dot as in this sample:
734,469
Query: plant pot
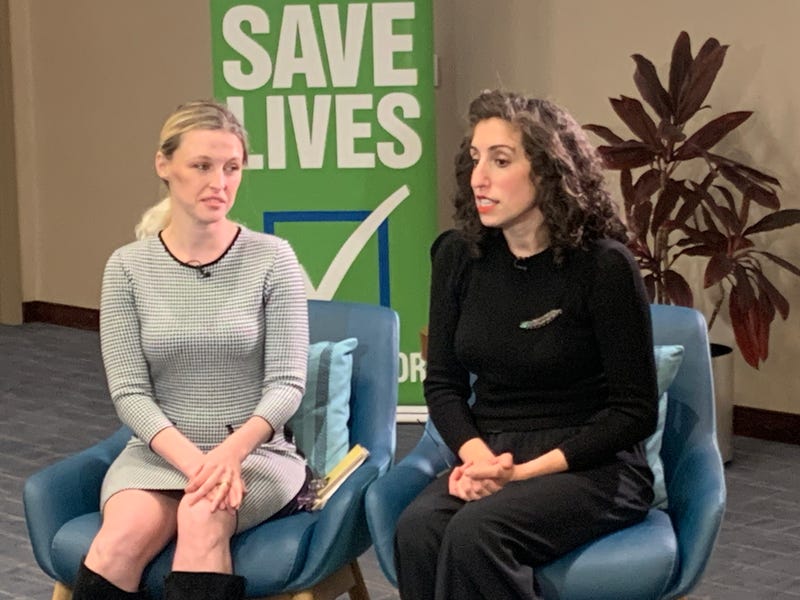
722,368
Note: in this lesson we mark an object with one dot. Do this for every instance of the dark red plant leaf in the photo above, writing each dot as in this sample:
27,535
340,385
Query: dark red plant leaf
726,216
626,185
669,133
701,77
649,86
650,287
710,239
765,314
641,218
733,175
779,261
763,196
691,200
679,66
646,185
678,291
740,243
665,204
632,113
627,155
710,134
697,251
717,269
728,197
605,133
778,300
746,294
708,220
748,171
776,220
744,329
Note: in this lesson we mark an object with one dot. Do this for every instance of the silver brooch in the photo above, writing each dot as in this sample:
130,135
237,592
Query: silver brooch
538,322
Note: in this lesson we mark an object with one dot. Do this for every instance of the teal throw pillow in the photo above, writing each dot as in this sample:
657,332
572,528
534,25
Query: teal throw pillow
668,360
320,423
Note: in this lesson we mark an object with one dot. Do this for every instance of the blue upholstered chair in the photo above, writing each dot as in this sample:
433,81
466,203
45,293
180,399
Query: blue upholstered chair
306,552
662,557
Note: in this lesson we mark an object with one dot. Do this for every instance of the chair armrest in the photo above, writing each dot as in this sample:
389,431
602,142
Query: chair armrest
696,505
340,535
65,490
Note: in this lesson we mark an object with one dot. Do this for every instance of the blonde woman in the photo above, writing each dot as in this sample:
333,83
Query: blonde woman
204,334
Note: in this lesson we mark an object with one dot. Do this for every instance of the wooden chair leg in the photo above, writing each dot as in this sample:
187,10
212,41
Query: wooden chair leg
347,579
359,589
61,592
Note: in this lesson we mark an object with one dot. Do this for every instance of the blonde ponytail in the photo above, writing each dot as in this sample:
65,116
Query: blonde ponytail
154,219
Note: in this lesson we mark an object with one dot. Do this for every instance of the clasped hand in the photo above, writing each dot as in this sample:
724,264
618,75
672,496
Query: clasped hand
217,478
477,479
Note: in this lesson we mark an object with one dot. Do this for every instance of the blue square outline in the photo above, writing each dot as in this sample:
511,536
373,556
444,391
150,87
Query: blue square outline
272,217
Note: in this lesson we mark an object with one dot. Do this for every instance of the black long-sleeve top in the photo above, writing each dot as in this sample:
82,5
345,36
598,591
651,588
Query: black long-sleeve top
591,364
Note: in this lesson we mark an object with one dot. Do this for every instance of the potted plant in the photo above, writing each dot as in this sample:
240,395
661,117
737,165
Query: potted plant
683,201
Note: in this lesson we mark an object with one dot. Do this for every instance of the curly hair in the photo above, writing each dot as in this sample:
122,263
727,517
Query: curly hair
565,169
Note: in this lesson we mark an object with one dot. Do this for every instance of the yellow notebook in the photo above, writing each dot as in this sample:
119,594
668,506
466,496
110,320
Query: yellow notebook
337,476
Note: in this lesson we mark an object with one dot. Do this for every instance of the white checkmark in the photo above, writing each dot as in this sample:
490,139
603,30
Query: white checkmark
352,248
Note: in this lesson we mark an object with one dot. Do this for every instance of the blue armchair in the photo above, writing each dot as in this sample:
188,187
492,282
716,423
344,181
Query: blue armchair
306,552
661,558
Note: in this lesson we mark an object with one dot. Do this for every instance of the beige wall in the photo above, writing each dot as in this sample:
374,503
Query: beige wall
10,268
93,79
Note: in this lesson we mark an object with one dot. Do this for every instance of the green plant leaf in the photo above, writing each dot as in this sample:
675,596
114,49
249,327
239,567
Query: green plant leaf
677,289
649,86
633,114
777,220
627,155
605,133
710,134
701,77
679,67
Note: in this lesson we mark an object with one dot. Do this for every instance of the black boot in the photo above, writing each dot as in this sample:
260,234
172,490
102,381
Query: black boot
93,586
186,585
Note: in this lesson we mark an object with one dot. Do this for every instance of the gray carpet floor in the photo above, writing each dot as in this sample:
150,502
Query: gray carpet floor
53,402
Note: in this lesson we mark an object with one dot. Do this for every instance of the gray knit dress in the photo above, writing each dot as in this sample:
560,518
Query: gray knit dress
205,350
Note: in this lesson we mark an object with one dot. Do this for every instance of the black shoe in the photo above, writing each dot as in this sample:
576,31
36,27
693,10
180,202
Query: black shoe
187,585
93,586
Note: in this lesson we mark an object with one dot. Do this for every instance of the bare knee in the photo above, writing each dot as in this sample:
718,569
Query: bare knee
135,528
203,531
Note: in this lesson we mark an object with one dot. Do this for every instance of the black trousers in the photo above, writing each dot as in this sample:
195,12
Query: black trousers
448,549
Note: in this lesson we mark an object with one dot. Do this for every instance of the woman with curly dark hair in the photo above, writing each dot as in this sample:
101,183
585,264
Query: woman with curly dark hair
537,298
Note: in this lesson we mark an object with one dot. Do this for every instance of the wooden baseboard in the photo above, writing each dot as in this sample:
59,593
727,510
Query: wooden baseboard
61,314
766,424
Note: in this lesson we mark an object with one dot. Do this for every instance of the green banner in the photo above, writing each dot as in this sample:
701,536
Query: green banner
338,101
